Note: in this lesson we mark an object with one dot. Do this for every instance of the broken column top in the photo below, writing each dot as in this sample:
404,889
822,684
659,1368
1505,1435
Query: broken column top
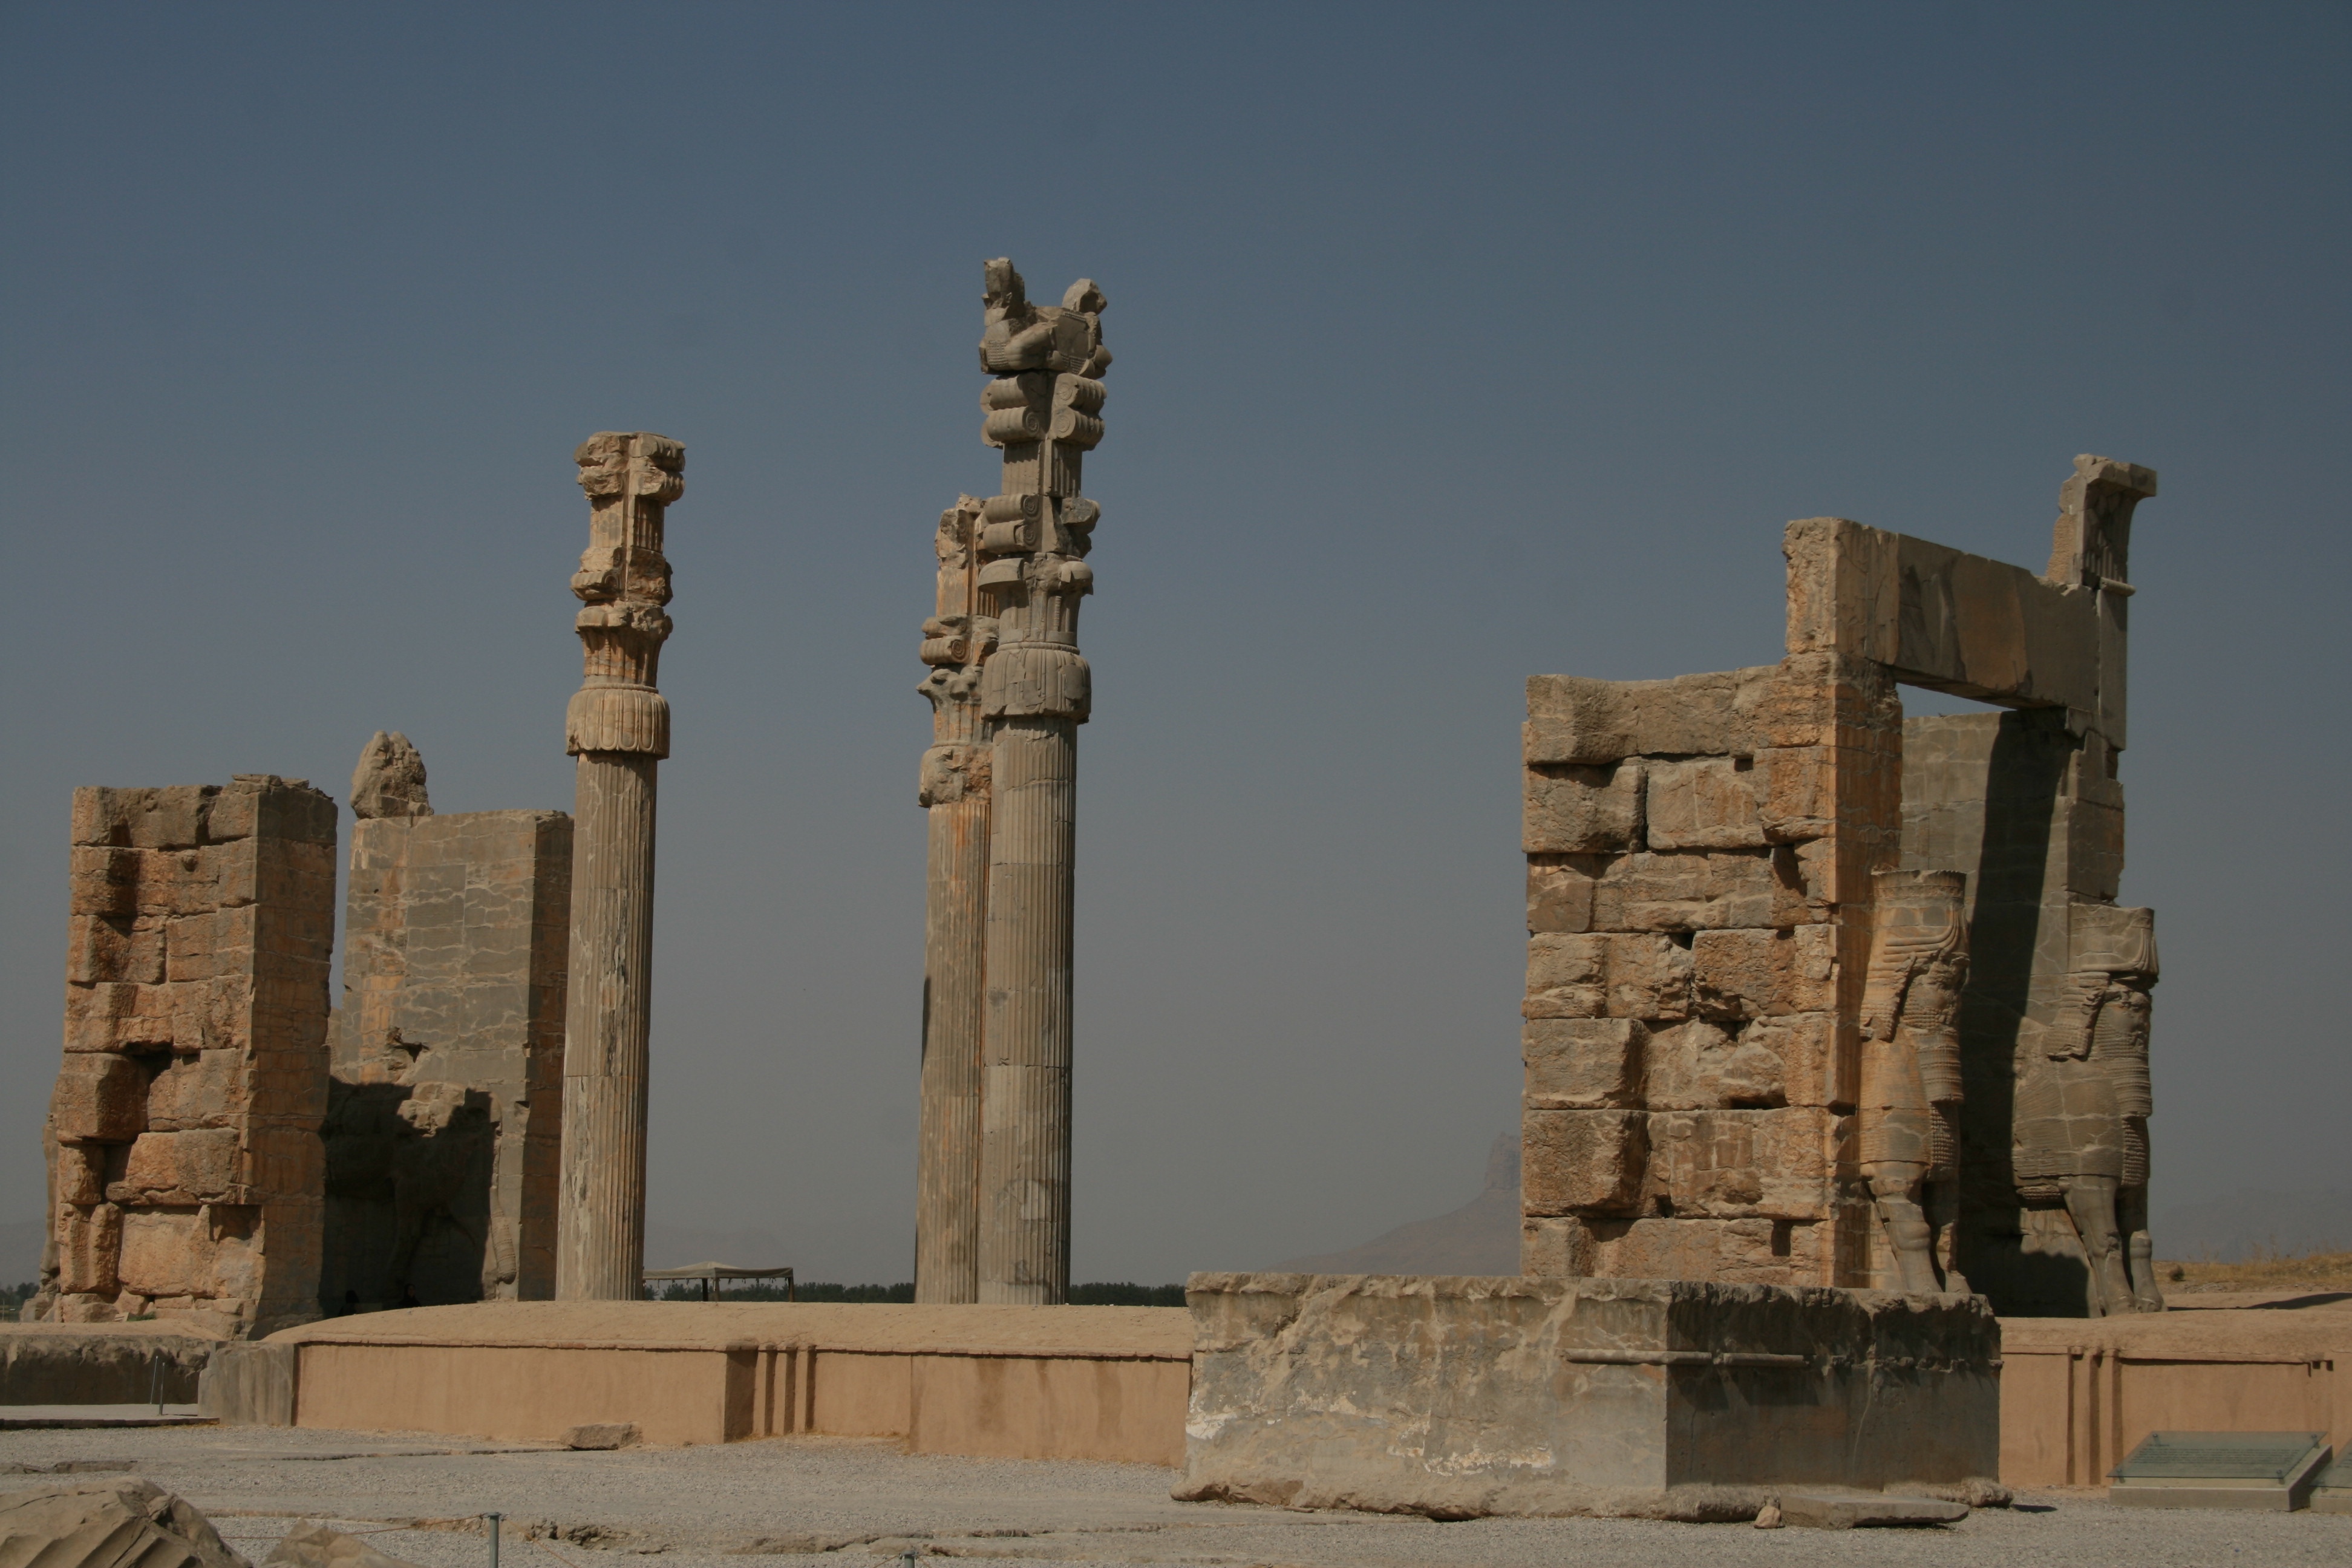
390,779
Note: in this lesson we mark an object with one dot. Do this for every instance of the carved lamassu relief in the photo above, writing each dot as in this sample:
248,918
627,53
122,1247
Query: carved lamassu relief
1911,1069
2083,1099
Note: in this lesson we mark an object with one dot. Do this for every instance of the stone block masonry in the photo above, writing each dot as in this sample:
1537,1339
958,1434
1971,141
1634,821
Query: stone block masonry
185,1162
1695,848
444,1114
1819,997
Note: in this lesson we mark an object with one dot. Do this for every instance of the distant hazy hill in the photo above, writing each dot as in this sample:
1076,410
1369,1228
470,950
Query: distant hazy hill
1482,1236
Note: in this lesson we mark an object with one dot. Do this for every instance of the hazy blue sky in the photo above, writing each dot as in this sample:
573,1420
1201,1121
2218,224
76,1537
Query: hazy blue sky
1454,343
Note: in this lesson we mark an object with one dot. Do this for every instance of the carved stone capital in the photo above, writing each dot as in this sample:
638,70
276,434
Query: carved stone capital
617,718
1035,680
630,478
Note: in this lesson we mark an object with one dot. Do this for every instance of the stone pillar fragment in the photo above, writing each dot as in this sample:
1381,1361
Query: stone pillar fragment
618,726
1042,410
443,1122
183,1137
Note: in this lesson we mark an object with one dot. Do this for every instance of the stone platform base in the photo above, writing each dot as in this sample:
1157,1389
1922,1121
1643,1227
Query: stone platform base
1459,1397
101,1364
1042,1383
2077,1395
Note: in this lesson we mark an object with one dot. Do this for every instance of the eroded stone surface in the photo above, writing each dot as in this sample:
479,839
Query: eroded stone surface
1459,1397
105,1524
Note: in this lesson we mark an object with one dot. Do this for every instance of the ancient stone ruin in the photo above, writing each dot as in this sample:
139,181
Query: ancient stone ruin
444,1113
1817,996
1008,691
954,794
183,1136
618,726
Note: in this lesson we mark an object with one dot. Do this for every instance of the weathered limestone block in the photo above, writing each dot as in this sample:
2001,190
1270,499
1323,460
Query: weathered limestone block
390,780
1741,1163
1560,892
1570,809
186,1108
119,1522
1704,803
1571,719
181,1169
1940,618
252,1384
200,1089
123,948
88,1241
1645,1397
316,1544
1749,1251
1701,1064
1806,1045
1582,1161
1584,1064
1607,974
1752,974
1699,890
98,1098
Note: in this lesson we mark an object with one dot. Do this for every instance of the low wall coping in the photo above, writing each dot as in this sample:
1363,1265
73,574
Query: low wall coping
2224,1334
1072,1333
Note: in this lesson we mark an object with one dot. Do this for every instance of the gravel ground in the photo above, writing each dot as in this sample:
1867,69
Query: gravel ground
835,1502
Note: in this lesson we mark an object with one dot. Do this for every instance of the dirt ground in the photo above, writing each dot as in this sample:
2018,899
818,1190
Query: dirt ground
2263,1271
803,1502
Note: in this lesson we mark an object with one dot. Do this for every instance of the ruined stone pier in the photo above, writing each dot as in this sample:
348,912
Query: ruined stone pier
618,726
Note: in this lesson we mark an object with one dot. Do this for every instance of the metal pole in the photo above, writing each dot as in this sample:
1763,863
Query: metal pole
495,1520
155,1379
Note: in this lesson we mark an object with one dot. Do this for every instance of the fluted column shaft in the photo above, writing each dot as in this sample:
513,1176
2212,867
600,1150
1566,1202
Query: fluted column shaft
601,1226
1025,1175
947,1220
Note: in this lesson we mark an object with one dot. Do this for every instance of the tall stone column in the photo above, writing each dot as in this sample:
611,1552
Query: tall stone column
618,726
954,793
1040,410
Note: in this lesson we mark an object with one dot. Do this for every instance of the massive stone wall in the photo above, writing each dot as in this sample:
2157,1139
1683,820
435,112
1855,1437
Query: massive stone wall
1697,851
445,1115
185,1163
1754,1050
